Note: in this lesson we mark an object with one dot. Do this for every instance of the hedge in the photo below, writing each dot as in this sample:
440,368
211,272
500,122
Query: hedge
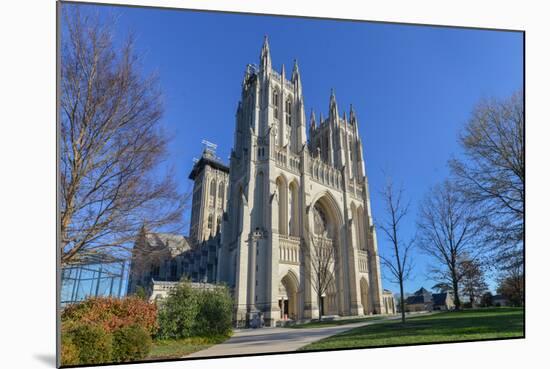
70,354
113,313
93,342
131,343
104,329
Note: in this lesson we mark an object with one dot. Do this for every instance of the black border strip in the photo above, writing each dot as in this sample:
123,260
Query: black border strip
160,7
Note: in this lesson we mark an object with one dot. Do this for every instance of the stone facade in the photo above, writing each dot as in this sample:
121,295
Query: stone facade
389,302
284,197
210,178
285,193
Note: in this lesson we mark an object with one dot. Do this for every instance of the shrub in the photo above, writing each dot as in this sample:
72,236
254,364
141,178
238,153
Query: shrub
141,292
188,312
93,342
113,313
215,312
177,313
131,343
69,352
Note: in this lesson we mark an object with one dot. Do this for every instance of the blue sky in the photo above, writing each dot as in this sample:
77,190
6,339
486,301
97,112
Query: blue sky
412,87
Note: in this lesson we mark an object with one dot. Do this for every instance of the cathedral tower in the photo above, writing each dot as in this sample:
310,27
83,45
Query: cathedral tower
210,181
288,196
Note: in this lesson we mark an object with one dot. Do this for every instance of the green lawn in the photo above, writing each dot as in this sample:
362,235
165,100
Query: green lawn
332,323
170,349
475,324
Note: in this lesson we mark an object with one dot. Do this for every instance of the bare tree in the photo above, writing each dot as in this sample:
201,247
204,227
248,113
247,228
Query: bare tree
399,262
111,144
320,258
472,283
491,176
447,232
442,287
512,282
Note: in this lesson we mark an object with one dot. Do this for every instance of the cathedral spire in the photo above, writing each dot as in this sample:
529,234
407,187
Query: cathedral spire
312,122
296,78
353,120
295,71
265,56
333,107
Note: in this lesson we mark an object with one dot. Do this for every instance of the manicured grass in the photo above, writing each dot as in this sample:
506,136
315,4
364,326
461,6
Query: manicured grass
332,323
465,325
170,349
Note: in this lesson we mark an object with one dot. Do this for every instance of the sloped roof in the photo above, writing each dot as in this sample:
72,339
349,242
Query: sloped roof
416,299
439,298
422,296
422,291
175,243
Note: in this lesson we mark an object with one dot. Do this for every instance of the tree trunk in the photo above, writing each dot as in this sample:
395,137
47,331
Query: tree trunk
456,297
402,302
320,303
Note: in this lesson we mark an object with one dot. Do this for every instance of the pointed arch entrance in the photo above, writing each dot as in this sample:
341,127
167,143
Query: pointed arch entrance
288,296
326,223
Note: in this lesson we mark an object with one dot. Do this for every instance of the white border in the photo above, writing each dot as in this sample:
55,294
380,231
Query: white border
27,186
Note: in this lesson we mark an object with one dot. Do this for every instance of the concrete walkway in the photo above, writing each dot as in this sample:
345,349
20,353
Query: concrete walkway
264,340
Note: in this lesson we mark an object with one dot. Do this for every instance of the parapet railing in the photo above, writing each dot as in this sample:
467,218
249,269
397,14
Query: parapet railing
289,249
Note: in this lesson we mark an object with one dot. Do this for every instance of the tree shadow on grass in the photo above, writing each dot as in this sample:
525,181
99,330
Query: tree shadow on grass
444,327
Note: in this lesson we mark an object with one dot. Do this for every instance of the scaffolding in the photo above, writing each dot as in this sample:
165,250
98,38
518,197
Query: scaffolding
92,278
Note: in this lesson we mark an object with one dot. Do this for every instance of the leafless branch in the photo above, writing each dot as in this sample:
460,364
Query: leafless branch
398,260
491,177
111,144
447,233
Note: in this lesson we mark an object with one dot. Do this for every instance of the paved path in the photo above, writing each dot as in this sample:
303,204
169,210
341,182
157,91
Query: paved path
263,340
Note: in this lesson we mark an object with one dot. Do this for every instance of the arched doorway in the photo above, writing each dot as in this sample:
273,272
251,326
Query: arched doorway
288,296
325,255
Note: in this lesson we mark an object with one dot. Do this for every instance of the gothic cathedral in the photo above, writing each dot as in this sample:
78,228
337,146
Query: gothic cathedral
288,198
288,225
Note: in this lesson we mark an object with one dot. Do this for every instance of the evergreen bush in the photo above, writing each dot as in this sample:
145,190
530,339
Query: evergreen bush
177,313
93,342
131,343
70,355
188,312
215,312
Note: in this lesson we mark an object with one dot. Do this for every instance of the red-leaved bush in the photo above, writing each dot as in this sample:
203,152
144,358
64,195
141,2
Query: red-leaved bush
113,313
